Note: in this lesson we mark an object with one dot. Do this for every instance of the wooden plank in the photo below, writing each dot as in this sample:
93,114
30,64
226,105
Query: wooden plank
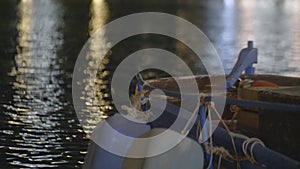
203,81
279,80
247,120
288,95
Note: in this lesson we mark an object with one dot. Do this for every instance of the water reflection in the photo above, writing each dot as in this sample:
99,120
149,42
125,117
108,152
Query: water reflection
271,23
228,34
99,16
37,139
246,19
294,62
96,90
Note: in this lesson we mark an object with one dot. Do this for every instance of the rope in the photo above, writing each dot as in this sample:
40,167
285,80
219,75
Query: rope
144,100
249,143
212,105
210,139
235,110
245,146
198,127
132,112
220,161
184,130
221,151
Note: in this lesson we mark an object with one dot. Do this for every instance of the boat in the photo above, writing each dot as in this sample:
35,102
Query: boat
258,129
266,108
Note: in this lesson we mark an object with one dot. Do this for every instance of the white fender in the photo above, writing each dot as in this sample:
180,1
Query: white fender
188,154
98,158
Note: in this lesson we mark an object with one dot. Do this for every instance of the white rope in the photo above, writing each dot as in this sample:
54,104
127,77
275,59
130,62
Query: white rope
212,105
245,146
222,152
201,96
132,112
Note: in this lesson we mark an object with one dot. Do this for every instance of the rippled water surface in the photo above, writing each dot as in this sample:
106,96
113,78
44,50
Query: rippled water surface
40,41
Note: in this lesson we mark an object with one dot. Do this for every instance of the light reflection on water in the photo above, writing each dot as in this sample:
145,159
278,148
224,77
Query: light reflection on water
295,60
36,121
274,33
41,129
273,25
98,105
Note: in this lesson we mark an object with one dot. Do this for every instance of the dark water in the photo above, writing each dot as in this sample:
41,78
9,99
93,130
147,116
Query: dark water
40,41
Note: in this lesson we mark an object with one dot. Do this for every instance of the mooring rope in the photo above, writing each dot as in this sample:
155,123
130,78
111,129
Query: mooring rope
247,145
212,105
200,100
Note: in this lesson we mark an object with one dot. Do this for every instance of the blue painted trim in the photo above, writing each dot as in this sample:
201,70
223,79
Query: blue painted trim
246,59
205,136
140,88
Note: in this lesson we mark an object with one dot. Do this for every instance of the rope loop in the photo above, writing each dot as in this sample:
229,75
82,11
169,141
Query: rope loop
251,142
